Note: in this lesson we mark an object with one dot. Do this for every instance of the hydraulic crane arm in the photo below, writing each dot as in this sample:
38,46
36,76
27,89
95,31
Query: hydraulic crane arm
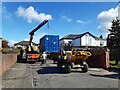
34,30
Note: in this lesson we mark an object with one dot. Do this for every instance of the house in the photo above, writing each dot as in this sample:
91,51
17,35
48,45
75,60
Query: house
24,44
68,39
85,39
0,43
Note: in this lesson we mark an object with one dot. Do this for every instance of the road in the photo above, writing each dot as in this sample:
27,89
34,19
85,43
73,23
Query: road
48,76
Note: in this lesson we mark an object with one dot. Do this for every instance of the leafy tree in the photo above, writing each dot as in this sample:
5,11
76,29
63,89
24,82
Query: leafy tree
101,36
113,40
5,44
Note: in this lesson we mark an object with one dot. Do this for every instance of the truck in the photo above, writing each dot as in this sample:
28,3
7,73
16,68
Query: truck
31,54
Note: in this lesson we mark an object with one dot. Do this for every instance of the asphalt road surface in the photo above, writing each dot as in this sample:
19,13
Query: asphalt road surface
24,75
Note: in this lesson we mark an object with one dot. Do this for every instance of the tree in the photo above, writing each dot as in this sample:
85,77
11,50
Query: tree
113,40
101,36
5,44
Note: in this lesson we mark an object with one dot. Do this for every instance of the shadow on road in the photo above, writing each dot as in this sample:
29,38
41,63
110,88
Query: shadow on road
113,70
55,70
50,70
21,60
112,76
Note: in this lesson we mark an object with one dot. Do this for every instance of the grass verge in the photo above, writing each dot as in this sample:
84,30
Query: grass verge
112,65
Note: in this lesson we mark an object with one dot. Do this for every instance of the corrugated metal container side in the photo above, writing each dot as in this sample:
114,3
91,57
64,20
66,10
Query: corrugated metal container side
49,43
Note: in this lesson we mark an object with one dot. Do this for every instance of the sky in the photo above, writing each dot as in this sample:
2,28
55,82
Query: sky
19,18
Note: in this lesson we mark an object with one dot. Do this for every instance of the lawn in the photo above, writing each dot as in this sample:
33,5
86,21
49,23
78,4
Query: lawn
112,65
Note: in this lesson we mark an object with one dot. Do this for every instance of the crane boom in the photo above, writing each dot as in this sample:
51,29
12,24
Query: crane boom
31,54
34,30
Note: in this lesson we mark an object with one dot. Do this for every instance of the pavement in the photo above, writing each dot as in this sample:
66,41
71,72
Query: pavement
17,71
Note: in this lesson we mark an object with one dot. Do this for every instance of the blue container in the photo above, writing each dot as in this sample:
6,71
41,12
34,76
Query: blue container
49,43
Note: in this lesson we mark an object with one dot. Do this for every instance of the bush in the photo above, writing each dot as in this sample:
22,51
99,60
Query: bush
10,51
113,65
21,50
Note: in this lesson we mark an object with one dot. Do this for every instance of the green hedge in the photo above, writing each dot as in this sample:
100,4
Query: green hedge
10,51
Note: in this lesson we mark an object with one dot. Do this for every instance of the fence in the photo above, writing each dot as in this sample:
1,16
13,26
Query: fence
7,61
99,59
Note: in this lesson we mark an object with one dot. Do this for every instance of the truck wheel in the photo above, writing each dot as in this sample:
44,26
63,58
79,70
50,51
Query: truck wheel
85,68
59,64
67,68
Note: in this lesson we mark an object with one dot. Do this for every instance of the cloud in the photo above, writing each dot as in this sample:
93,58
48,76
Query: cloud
27,39
80,22
30,14
105,18
12,42
66,18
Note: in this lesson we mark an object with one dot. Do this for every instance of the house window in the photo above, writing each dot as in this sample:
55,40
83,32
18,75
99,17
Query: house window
101,43
70,42
86,35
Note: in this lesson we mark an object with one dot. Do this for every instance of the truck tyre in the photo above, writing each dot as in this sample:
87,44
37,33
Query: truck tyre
85,68
67,68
